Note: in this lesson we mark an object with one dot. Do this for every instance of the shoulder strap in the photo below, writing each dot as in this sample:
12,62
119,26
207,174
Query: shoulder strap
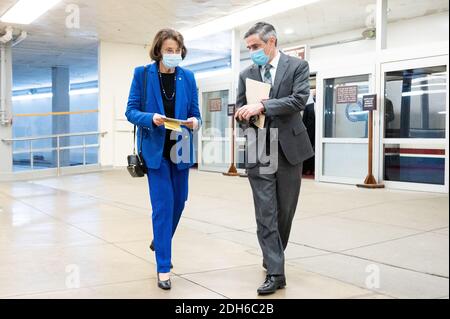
143,100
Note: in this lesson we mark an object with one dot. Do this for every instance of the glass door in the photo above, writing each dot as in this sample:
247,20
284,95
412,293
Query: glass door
414,148
344,126
214,136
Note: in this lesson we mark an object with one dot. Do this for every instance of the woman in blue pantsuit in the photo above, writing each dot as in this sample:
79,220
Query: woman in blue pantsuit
171,92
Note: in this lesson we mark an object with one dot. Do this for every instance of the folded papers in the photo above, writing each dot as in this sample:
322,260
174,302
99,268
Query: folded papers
256,93
174,124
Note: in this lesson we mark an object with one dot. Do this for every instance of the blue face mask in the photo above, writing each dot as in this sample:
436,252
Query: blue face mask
259,57
172,60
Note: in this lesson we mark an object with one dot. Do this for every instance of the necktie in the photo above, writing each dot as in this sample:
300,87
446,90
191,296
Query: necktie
267,74
268,80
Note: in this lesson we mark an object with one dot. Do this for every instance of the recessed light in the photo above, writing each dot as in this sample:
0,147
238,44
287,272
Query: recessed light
26,11
289,31
243,17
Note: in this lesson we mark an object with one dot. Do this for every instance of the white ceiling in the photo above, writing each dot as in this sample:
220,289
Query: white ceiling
51,43
330,16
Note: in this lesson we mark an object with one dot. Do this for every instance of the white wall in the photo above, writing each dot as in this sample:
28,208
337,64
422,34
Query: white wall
421,31
116,65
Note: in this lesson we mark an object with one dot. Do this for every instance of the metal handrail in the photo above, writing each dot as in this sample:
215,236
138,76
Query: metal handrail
50,149
44,137
58,147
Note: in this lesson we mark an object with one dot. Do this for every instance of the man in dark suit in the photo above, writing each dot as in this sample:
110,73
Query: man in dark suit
309,119
283,141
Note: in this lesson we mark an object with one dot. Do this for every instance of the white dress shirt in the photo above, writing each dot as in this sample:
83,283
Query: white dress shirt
273,70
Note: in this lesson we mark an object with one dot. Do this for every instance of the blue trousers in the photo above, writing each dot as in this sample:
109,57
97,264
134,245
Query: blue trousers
168,193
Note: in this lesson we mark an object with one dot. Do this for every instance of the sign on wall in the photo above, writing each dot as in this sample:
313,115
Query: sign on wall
299,51
347,94
215,105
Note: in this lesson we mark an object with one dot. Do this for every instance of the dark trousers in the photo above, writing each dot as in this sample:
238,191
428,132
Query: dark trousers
275,198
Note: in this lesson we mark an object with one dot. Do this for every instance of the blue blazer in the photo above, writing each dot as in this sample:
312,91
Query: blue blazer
186,106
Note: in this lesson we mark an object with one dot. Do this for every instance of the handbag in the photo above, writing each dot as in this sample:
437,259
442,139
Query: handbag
136,164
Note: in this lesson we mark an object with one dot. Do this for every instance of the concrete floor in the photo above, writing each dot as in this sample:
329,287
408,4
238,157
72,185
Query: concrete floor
87,236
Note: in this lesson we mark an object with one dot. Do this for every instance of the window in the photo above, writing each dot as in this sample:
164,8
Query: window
415,103
345,118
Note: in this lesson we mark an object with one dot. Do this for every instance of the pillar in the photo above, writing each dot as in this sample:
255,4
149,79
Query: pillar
61,103
6,132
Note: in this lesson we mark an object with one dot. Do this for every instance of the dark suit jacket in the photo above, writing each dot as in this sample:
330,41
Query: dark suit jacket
288,98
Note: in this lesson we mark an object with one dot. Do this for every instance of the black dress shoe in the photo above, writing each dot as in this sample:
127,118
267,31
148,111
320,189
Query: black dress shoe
272,284
152,248
164,285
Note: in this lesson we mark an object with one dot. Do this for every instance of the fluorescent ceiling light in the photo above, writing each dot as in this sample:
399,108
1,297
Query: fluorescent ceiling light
428,85
26,11
418,93
430,77
248,15
39,96
83,91
289,31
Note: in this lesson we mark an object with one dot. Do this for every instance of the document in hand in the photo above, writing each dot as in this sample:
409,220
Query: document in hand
174,124
257,92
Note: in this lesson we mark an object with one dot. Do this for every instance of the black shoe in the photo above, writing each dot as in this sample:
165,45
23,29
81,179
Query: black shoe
272,284
152,248
164,285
